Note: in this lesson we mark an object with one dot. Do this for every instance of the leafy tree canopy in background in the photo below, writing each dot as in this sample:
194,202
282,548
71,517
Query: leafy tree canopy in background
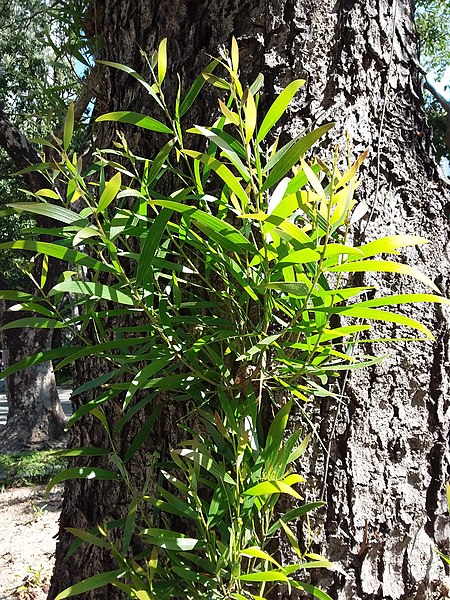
433,25
39,53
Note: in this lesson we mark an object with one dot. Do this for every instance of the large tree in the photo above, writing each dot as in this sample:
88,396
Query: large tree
386,442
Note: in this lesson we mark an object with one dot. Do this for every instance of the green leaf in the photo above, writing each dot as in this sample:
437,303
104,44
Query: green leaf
91,583
292,156
293,288
82,452
93,290
151,245
207,462
133,118
300,257
136,76
159,161
234,55
79,352
143,433
46,193
354,310
225,233
60,252
170,540
18,296
190,575
81,473
196,88
223,172
404,299
221,141
59,213
155,366
44,166
311,589
90,538
37,359
34,322
278,108
84,234
295,513
383,266
68,126
110,191
274,440
250,117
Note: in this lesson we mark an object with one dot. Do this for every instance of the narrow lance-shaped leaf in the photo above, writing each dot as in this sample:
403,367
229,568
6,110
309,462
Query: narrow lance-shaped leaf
59,213
278,108
68,126
293,155
196,88
136,76
110,191
162,60
151,244
91,583
60,252
223,172
81,473
250,117
383,266
133,118
90,289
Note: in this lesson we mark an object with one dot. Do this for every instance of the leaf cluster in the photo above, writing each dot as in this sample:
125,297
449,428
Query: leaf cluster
219,275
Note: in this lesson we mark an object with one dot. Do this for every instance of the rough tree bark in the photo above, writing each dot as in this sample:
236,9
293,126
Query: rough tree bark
384,474
35,417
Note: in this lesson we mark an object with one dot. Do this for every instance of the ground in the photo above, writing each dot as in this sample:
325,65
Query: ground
28,526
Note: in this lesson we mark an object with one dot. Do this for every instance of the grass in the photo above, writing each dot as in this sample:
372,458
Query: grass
24,468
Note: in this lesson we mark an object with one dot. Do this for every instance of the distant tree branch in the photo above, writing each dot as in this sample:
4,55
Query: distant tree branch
445,105
433,91
21,152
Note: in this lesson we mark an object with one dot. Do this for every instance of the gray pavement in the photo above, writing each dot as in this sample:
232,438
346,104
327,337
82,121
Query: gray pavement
64,396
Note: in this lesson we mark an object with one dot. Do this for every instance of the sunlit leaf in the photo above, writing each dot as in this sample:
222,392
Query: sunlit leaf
278,108
133,118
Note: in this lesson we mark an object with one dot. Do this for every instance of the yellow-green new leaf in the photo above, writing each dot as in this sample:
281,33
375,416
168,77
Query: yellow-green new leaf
162,60
264,576
267,488
391,243
383,266
234,55
250,117
258,553
111,190
68,126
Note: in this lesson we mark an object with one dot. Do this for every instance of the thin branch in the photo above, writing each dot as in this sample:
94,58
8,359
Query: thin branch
433,91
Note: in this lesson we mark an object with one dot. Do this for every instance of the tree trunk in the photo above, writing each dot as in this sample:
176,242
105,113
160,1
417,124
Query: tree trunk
35,417
387,453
